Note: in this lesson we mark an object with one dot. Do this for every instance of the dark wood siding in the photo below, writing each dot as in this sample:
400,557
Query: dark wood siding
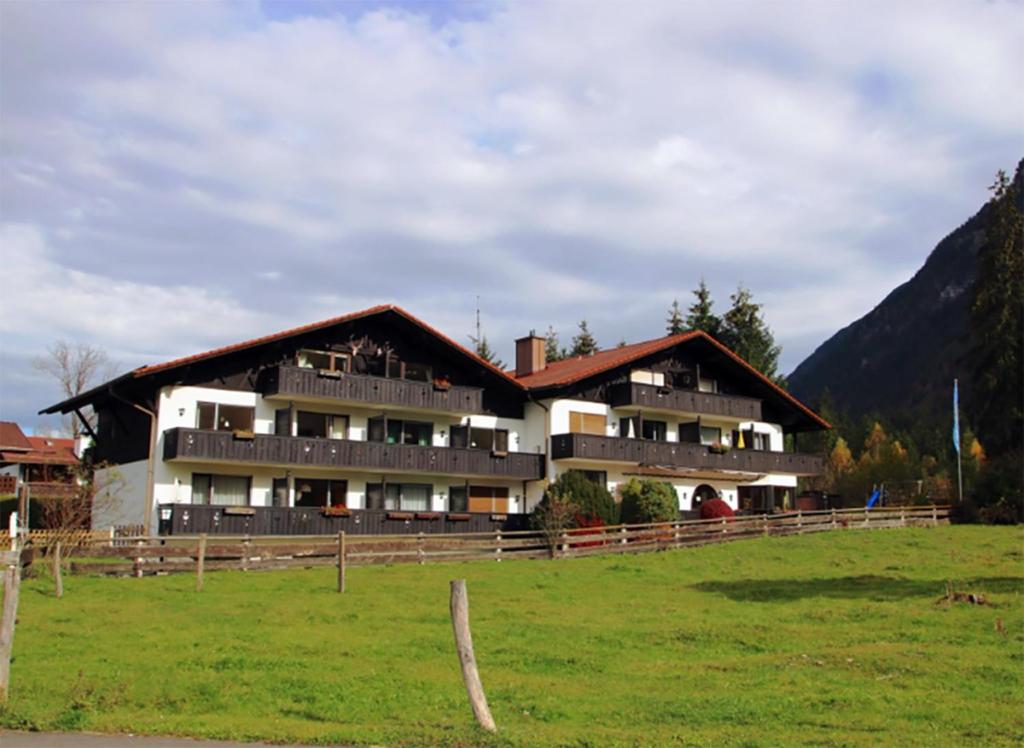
265,449
187,519
296,382
690,401
674,454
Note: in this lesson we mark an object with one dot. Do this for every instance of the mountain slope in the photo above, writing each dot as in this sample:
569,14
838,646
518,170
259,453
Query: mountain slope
900,358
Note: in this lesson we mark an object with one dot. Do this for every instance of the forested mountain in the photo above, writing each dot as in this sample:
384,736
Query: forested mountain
899,360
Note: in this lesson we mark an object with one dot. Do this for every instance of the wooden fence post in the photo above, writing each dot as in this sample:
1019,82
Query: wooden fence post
624,539
799,522
935,515
137,562
341,561
564,545
497,548
12,583
764,524
867,517
420,558
903,516
833,518
200,562
58,581
725,527
245,553
464,646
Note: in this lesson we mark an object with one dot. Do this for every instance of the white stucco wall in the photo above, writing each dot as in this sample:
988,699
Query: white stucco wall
127,504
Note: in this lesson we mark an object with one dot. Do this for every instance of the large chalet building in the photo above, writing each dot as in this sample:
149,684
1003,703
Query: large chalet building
376,422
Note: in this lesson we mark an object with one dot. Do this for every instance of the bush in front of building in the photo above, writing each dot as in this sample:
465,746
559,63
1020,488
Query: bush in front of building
715,509
645,501
592,500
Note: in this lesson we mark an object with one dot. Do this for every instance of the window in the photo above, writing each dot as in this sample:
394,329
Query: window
323,360
398,431
488,499
280,492
458,499
417,372
283,422
229,490
320,492
600,477
707,385
409,497
655,430
710,435
321,425
495,440
762,441
220,417
586,423
645,376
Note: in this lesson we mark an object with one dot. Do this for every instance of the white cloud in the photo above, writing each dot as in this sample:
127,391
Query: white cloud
216,174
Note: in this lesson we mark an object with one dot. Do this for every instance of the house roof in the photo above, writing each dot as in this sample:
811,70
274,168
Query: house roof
144,371
43,450
573,370
12,438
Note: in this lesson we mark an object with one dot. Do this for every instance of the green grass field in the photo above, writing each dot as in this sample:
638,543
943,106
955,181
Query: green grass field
832,639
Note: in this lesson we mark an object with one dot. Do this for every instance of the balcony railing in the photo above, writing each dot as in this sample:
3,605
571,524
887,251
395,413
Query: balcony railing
688,401
266,449
297,383
680,455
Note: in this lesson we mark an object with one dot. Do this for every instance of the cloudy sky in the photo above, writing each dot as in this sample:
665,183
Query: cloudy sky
175,176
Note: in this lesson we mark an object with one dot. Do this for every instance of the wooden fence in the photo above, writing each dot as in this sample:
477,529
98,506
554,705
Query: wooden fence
151,555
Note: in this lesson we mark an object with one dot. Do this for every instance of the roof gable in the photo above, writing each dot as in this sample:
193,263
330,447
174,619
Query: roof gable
12,438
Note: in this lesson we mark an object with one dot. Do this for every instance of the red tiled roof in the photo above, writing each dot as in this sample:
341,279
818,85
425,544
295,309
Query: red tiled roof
145,370
12,437
43,450
573,370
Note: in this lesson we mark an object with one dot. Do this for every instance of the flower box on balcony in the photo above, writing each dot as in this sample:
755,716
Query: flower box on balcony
459,517
400,515
718,449
244,434
246,511
336,511
428,515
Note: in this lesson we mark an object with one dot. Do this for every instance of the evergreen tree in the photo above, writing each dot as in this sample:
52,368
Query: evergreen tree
583,343
552,352
997,316
675,323
745,332
699,316
484,351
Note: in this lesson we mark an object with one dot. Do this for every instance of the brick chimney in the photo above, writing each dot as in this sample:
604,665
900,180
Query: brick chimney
530,357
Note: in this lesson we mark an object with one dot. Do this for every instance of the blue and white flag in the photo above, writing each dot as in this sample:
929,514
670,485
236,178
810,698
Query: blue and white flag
956,418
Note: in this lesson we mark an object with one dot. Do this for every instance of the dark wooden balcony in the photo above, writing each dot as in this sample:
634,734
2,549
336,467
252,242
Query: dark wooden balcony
296,451
681,455
297,383
688,401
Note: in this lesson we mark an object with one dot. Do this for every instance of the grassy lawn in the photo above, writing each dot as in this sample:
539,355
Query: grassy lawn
833,639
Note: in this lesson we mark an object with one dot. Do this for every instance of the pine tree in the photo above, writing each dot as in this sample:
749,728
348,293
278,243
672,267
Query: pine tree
699,316
746,333
484,351
552,352
583,343
675,323
996,316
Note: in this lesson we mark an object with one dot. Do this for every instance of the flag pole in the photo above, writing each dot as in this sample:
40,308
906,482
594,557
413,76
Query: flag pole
956,441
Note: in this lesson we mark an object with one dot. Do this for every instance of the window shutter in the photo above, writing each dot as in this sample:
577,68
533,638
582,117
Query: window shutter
501,441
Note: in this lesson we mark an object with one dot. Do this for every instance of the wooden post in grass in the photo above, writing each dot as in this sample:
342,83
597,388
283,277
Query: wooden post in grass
935,515
764,524
200,562
341,561
12,581
464,647
58,581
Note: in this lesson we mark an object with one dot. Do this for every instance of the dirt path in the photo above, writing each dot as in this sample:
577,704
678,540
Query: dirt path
13,739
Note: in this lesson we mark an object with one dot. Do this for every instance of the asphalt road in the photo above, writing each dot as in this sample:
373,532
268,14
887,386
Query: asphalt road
13,739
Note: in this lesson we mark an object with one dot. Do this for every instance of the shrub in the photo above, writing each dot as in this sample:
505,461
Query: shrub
592,501
715,509
645,501
553,516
